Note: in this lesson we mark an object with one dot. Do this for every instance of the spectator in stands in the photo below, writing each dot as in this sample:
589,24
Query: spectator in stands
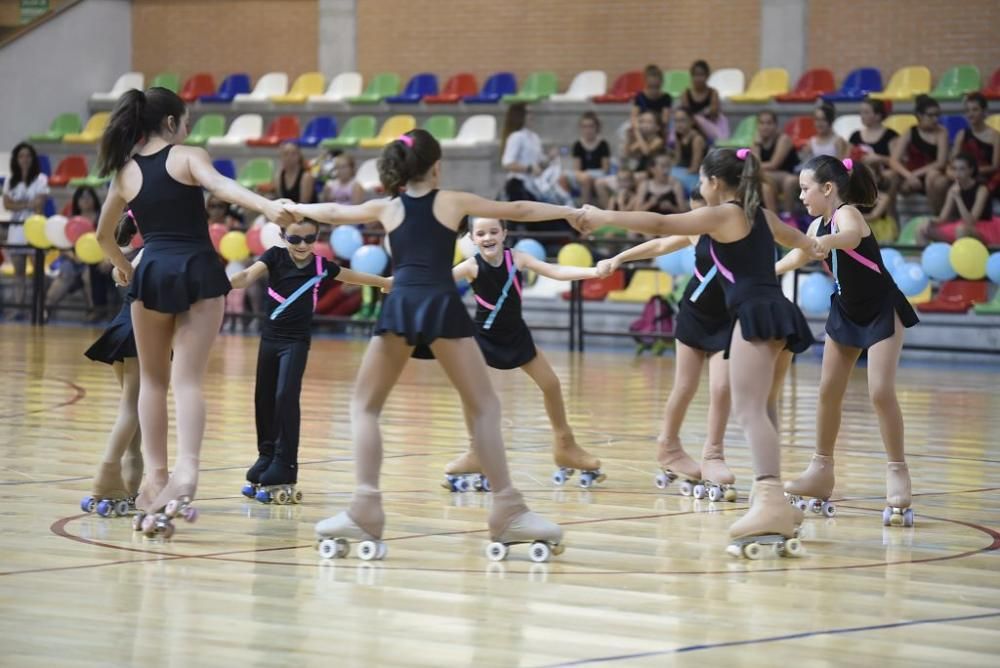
920,155
703,103
981,142
293,180
591,159
966,211
873,143
625,191
687,149
825,141
661,192
642,144
521,153
652,98
342,186
71,274
778,160
24,194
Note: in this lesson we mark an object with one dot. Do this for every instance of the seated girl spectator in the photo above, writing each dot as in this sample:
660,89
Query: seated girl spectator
591,159
73,275
661,192
625,191
642,144
687,150
966,211
24,194
294,180
652,98
825,141
981,142
778,160
873,143
921,154
342,186
703,103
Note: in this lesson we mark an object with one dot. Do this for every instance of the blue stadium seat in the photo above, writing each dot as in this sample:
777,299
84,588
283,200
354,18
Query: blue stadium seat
498,85
420,86
231,86
857,85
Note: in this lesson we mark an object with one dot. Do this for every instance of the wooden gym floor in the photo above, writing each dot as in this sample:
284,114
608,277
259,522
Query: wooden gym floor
645,579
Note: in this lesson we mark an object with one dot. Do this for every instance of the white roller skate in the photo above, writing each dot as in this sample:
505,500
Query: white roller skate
717,481
334,536
544,536
675,463
897,511
812,490
770,523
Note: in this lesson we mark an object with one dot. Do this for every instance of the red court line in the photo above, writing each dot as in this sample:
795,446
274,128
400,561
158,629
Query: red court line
80,394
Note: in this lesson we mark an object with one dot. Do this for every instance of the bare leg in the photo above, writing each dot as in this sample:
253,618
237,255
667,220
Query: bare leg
883,360
777,385
713,461
670,453
128,377
838,362
586,182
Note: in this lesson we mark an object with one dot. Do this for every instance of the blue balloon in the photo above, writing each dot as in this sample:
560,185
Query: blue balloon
814,294
532,248
687,260
936,262
993,267
910,278
346,240
370,259
892,259
671,263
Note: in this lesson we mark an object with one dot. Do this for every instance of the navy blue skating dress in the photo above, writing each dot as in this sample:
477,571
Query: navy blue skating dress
118,341
703,321
424,304
180,265
501,332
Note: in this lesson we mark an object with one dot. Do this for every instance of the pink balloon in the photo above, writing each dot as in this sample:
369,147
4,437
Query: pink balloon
76,227
323,249
137,241
216,231
253,241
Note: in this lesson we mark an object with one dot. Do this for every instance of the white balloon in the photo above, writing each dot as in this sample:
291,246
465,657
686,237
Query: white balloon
233,268
466,246
270,236
55,230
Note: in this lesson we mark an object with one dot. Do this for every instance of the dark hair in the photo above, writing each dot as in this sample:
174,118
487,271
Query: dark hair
970,161
512,122
695,195
925,103
741,174
878,107
15,167
136,115
978,98
126,228
828,110
402,162
653,71
700,65
853,187
78,195
591,116
768,112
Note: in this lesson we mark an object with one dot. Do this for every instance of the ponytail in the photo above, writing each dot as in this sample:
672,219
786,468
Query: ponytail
740,170
854,181
748,191
126,229
407,158
136,115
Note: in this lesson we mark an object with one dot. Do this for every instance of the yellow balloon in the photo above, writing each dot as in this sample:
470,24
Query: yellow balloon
88,250
234,246
456,258
923,297
51,257
968,258
34,232
575,255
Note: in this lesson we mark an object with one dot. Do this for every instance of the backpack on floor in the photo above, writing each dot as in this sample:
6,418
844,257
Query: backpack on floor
657,318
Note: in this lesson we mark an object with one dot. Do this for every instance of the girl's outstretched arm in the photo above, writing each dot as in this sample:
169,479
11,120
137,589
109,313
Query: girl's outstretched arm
791,237
361,278
691,223
850,229
797,257
466,269
522,211
248,276
645,251
340,214
556,271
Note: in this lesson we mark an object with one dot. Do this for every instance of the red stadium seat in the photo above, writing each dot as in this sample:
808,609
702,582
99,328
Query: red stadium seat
624,88
956,296
460,85
810,86
281,129
992,90
69,168
597,289
800,129
197,85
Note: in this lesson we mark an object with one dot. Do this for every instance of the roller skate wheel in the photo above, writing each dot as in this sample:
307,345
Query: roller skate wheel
714,494
383,550
686,488
828,510
248,491
733,550
792,548
586,480
661,481
802,505
122,508
699,491
281,497
558,549
370,549
104,508
908,517
730,495
896,519
496,551
751,551
540,552
190,514
165,530
816,505
263,496
559,478
297,496
486,484
886,516
334,548
87,504
148,524
600,477
462,485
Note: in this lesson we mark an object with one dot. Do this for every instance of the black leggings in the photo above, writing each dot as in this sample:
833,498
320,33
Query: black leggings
280,367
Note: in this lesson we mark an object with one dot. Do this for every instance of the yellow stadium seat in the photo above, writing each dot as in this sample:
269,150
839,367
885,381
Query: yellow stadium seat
391,129
765,85
646,283
310,83
901,123
91,132
993,120
905,84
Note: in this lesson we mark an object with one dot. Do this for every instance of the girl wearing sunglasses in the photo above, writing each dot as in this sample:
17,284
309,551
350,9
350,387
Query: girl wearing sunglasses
293,275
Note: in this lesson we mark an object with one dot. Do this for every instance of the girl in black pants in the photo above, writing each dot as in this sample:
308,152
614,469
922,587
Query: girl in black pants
294,276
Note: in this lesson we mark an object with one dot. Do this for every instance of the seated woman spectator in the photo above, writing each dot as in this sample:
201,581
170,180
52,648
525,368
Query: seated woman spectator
825,141
873,143
687,150
591,159
981,142
703,103
966,211
529,176
920,155
293,179
71,274
342,186
24,194
652,98
661,192
778,160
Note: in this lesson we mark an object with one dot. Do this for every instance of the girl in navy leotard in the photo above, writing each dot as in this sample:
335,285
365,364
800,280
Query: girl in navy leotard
867,312
424,315
178,289
763,321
